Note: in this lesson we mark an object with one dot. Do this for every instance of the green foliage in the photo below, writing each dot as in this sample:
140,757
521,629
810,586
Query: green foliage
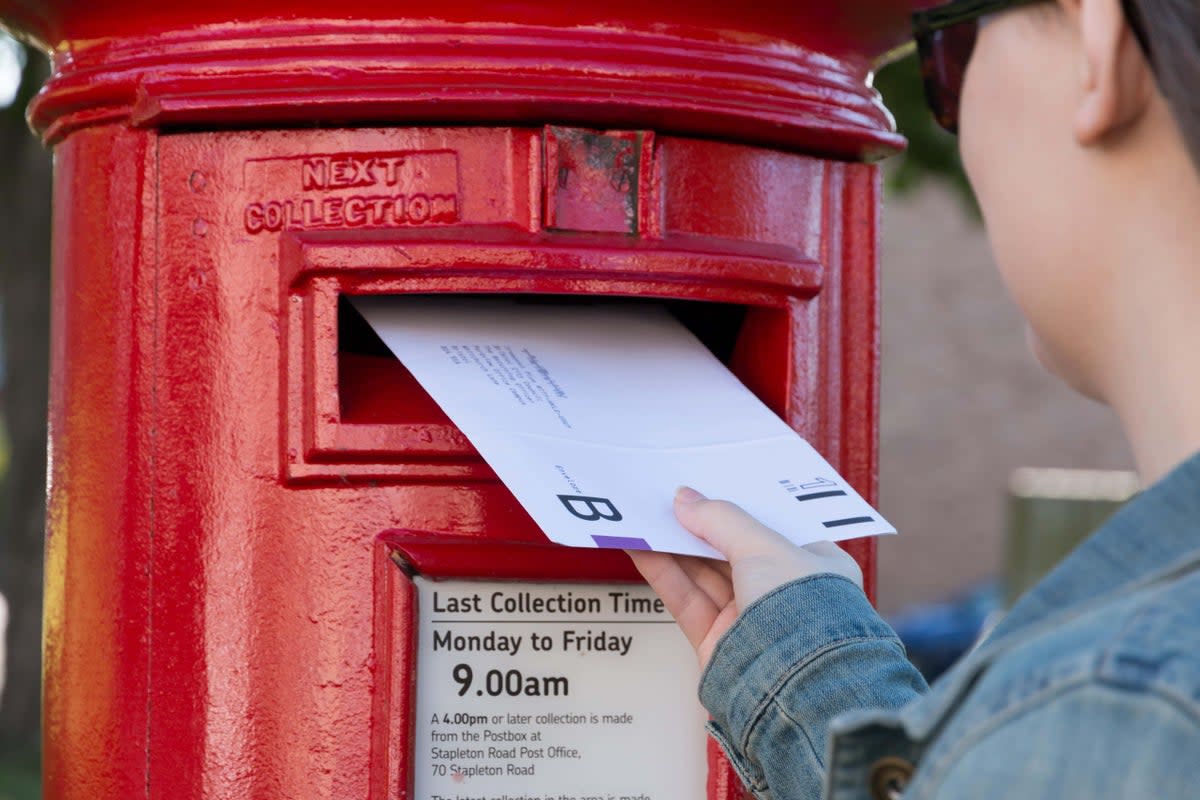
932,153
34,70
20,781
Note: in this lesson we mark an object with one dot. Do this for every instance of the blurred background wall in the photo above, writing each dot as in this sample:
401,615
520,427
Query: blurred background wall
963,404
963,401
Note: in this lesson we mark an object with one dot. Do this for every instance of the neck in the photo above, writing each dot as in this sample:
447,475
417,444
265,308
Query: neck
1154,382
1148,364
1161,422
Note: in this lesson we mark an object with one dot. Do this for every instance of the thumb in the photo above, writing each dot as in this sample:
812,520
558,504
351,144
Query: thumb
725,526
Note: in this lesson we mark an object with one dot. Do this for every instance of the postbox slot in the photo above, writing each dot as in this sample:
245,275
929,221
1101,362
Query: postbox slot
360,415
374,387
356,414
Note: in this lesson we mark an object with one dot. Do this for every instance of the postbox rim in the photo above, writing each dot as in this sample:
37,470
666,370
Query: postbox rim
278,73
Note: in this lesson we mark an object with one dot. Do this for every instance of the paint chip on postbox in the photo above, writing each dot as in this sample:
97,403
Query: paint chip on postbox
593,414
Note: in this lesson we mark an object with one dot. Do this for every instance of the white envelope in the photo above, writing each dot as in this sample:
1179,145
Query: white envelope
593,414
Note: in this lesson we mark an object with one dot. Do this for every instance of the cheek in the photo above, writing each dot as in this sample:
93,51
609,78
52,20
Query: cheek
993,121
1066,369
1015,123
990,123
1018,152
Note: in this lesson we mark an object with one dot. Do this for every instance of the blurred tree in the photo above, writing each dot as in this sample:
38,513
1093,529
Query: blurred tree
24,326
932,153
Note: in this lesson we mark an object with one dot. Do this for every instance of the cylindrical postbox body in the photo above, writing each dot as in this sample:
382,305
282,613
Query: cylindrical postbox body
236,468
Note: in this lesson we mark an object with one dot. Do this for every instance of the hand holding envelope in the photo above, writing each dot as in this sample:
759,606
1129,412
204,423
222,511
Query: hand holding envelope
706,596
593,414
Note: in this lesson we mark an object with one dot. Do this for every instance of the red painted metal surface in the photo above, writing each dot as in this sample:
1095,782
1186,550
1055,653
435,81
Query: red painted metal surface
789,74
235,463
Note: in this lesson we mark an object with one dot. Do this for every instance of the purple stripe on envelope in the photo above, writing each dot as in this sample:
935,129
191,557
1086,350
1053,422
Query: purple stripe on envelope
622,542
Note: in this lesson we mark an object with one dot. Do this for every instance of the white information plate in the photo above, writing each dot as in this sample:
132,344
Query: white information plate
554,691
593,414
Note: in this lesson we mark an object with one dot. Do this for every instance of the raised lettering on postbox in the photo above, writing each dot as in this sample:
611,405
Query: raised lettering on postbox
351,190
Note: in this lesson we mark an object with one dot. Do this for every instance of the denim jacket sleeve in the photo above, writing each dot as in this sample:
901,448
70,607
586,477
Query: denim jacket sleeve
796,658
1095,741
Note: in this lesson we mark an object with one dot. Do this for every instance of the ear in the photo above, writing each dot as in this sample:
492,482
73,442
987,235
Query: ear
1115,81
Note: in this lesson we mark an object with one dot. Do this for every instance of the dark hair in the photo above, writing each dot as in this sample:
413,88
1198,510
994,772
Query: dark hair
1169,30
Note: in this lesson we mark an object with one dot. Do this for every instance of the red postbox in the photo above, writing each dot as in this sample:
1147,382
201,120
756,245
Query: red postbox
242,484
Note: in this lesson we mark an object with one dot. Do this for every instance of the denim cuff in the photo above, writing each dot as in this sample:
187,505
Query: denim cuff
785,632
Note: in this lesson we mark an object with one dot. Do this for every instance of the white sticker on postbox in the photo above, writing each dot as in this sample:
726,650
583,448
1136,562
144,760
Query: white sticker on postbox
593,414
554,691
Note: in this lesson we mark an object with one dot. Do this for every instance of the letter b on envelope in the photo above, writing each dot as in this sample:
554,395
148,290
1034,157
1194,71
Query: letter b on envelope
592,508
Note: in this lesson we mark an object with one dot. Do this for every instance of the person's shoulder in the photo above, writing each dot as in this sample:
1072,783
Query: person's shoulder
1141,642
1084,739
1103,705
1155,644
1147,640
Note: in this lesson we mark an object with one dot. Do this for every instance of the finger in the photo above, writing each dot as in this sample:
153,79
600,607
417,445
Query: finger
716,583
649,563
694,611
837,560
712,575
726,526
722,623
720,566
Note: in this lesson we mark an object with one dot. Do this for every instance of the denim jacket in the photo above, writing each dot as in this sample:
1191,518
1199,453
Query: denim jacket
1089,687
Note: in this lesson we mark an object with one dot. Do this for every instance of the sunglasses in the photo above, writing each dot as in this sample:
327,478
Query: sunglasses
945,37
